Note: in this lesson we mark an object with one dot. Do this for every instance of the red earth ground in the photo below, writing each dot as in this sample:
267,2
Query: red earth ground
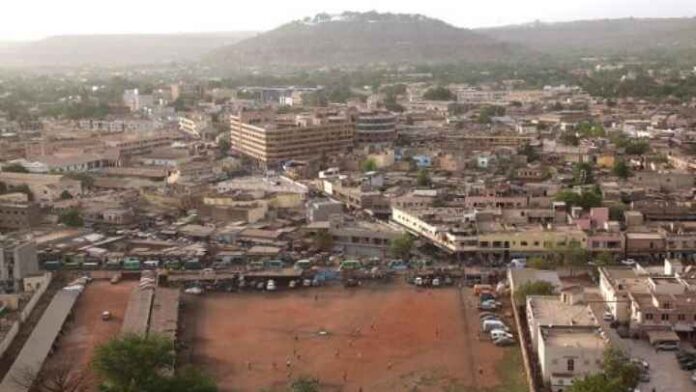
87,330
388,338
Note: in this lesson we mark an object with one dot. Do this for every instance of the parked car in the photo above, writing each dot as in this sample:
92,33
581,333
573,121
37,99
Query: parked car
628,262
693,378
490,317
483,315
667,346
504,341
270,285
499,333
488,306
489,325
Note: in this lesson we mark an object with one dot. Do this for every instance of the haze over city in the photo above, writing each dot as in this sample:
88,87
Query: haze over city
35,19
363,196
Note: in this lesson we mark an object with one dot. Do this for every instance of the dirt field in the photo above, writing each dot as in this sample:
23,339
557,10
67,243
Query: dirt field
395,338
87,330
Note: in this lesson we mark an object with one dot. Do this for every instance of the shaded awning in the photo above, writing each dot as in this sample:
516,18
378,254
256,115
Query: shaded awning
662,336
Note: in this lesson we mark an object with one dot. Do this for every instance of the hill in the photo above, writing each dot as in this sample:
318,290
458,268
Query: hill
607,37
115,50
362,38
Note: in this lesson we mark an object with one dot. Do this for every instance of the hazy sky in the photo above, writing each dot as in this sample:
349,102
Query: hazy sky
30,19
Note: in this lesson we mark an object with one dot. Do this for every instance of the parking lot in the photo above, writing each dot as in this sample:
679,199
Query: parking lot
665,374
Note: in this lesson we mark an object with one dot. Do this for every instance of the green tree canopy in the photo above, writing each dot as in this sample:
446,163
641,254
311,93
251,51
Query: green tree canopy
134,363
15,168
423,178
618,375
439,93
621,169
583,174
538,287
71,218
368,165
224,145
586,199
305,384
401,246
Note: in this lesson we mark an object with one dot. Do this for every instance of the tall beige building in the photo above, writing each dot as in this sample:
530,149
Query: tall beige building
272,139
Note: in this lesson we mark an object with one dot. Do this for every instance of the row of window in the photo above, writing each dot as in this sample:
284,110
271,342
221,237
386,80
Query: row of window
666,317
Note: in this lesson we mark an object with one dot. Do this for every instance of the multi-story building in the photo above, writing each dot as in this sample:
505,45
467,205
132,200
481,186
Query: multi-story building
194,123
17,212
45,188
650,299
272,140
375,128
17,260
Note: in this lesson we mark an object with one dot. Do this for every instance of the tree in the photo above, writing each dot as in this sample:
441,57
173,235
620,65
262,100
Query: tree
65,195
439,93
583,174
134,363
538,287
621,169
59,377
423,178
224,145
14,168
71,218
530,152
586,199
368,165
618,375
323,241
542,263
605,258
401,246
305,384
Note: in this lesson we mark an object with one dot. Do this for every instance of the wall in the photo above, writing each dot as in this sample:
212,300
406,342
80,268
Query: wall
24,314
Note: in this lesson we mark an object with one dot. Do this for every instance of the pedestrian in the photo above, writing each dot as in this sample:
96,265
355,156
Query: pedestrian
337,353
288,363
275,366
480,370
345,376
248,365
316,297
389,365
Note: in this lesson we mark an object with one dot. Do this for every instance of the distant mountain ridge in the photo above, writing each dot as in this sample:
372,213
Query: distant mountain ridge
353,38
116,49
628,36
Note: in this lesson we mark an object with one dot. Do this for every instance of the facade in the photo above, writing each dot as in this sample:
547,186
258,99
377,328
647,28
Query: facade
17,260
45,188
17,212
194,124
272,141
569,353
321,210
375,128
651,300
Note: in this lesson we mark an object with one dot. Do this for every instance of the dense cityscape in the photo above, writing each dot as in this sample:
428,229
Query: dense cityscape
304,210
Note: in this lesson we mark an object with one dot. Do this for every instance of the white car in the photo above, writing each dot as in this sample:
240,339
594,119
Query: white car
500,333
628,262
270,285
194,290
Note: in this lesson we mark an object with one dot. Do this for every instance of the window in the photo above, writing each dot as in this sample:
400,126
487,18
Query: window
648,316
664,317
571,365
681,317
